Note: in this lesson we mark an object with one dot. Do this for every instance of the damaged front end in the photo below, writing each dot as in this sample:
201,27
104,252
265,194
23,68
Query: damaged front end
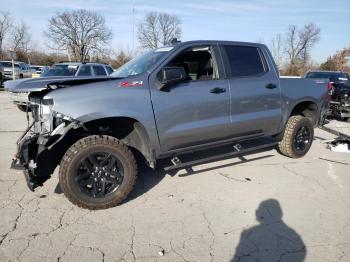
340,102
38,149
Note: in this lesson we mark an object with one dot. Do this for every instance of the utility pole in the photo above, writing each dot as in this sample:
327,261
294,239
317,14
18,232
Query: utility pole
69,58
13,53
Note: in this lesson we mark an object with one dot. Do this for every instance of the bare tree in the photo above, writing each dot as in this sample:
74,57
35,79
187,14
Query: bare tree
158,29
276,48
81,32
338,62
5,26
20,38
298,46
121,58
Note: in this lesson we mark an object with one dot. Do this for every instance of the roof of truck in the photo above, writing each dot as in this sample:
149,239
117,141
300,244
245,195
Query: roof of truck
222,42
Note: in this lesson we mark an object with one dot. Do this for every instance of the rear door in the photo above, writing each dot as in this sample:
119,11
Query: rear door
254,91
196,111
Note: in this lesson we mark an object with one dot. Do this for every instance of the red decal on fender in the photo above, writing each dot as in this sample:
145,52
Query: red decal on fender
130,84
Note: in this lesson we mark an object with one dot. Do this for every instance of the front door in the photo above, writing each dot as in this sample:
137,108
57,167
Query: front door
195,111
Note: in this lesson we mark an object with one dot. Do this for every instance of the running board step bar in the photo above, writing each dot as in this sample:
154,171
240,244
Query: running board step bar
239,150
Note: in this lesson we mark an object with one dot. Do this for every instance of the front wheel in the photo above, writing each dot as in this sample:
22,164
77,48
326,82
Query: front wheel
97,172
297,137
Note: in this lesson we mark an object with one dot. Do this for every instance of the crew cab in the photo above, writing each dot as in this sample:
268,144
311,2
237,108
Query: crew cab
163,104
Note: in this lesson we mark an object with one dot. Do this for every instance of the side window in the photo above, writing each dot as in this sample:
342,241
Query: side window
85,71
244,61
99,70
109,70
198,62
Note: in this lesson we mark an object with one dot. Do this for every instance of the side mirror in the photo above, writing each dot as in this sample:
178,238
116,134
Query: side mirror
172,75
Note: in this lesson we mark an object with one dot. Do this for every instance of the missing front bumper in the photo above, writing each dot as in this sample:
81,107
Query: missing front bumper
27,151
32,180
39,154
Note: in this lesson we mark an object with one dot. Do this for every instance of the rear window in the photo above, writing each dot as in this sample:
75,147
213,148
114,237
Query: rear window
244,61
8,64
99,71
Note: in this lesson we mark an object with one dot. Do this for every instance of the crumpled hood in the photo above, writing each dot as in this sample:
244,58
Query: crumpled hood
42,83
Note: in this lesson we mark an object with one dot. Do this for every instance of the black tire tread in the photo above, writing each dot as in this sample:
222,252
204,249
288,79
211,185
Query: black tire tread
84,143
285,145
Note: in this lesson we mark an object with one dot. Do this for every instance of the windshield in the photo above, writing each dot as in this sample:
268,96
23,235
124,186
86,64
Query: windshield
61,71
140,64
328,75
8,64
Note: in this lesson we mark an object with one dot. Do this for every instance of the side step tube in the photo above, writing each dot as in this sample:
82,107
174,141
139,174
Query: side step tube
239,151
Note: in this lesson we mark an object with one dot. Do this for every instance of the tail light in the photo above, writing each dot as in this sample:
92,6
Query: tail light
330,88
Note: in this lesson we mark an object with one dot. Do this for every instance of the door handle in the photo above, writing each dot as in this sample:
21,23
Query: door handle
271,86
218,90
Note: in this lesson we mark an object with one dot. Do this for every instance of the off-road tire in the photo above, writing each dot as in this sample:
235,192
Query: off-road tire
286,145
84,147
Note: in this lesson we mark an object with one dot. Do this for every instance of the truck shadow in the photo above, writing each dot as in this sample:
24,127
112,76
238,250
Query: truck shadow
149,178
271,239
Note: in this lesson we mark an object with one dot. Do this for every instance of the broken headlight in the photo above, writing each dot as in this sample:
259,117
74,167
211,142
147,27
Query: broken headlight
46,124
60,118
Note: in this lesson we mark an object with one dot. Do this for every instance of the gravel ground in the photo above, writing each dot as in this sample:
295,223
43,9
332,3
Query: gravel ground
262,207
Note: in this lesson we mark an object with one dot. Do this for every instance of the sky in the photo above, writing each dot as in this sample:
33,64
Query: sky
237,20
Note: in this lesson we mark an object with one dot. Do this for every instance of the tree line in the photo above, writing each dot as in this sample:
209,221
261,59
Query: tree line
83,35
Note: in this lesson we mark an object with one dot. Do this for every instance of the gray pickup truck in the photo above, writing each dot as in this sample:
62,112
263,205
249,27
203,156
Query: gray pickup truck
164,104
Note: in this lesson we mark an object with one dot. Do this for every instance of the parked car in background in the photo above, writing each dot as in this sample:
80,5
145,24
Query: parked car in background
1,76
333,77
59,70
340,101
38,70
22,70
165,103
78,69
339,89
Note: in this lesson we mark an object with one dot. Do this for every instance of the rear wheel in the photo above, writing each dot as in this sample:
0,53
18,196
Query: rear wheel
297,137
97,172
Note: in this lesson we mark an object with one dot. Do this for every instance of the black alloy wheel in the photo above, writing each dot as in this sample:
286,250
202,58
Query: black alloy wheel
99,174
302,139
